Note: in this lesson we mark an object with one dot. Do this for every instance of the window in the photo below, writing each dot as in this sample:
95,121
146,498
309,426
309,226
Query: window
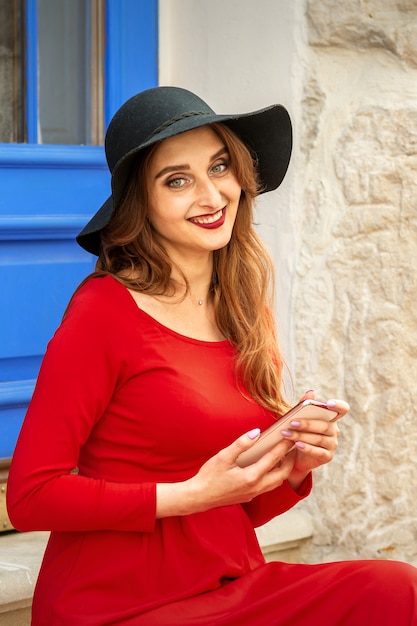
58,45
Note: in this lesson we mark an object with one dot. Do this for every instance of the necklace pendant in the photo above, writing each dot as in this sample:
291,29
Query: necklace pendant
200,302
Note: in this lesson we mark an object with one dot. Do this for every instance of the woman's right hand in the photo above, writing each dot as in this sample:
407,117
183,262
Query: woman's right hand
221,481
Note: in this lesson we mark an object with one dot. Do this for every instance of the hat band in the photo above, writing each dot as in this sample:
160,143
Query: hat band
177,119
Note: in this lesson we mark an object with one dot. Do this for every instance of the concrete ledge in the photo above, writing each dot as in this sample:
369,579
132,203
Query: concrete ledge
280,538
20,559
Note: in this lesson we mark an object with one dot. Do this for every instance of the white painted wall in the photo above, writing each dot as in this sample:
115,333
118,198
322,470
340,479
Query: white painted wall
239,56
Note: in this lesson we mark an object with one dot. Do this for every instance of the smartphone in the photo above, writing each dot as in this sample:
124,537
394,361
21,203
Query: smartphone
311,409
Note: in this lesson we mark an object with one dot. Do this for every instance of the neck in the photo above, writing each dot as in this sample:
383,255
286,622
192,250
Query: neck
198,277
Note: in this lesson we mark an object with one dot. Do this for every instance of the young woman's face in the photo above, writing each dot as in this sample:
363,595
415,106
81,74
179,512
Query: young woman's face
193,193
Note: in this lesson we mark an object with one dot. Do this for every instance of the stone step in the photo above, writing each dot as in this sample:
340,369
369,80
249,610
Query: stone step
20,559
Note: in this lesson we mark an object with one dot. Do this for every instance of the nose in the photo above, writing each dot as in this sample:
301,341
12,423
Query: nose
208,193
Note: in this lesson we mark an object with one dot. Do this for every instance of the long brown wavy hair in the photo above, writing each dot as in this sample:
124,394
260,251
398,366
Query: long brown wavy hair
242,280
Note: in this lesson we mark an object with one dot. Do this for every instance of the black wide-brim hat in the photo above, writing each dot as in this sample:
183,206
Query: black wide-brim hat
162,112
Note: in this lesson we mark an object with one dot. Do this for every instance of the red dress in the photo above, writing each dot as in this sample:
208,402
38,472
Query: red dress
132,403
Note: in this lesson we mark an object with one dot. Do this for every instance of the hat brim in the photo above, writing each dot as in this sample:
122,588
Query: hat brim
267,132
89,237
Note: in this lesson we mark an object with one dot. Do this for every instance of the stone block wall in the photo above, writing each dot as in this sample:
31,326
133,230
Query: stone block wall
354,292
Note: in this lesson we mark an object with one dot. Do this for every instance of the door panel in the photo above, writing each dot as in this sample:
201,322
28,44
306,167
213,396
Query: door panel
48,194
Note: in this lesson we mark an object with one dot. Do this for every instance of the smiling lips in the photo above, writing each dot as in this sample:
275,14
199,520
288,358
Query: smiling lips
210,221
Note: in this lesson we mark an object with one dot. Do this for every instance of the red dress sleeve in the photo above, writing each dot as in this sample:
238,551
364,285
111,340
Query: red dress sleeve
81,369
268,505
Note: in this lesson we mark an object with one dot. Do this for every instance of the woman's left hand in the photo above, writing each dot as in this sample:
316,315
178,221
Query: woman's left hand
315,441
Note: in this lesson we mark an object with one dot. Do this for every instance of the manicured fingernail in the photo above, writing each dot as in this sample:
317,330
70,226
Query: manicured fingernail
299,444
310,391
286,433
295,424
331,404
252,434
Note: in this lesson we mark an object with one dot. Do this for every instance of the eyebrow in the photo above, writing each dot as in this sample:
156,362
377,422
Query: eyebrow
185,166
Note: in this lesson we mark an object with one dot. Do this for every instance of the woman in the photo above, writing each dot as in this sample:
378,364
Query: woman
164,369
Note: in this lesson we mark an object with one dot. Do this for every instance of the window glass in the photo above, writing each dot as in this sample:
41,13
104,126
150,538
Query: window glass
70,62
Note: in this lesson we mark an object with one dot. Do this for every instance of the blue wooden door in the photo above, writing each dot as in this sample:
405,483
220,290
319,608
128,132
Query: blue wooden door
48,192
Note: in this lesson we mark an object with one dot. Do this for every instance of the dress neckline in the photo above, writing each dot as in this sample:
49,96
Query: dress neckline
171,331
